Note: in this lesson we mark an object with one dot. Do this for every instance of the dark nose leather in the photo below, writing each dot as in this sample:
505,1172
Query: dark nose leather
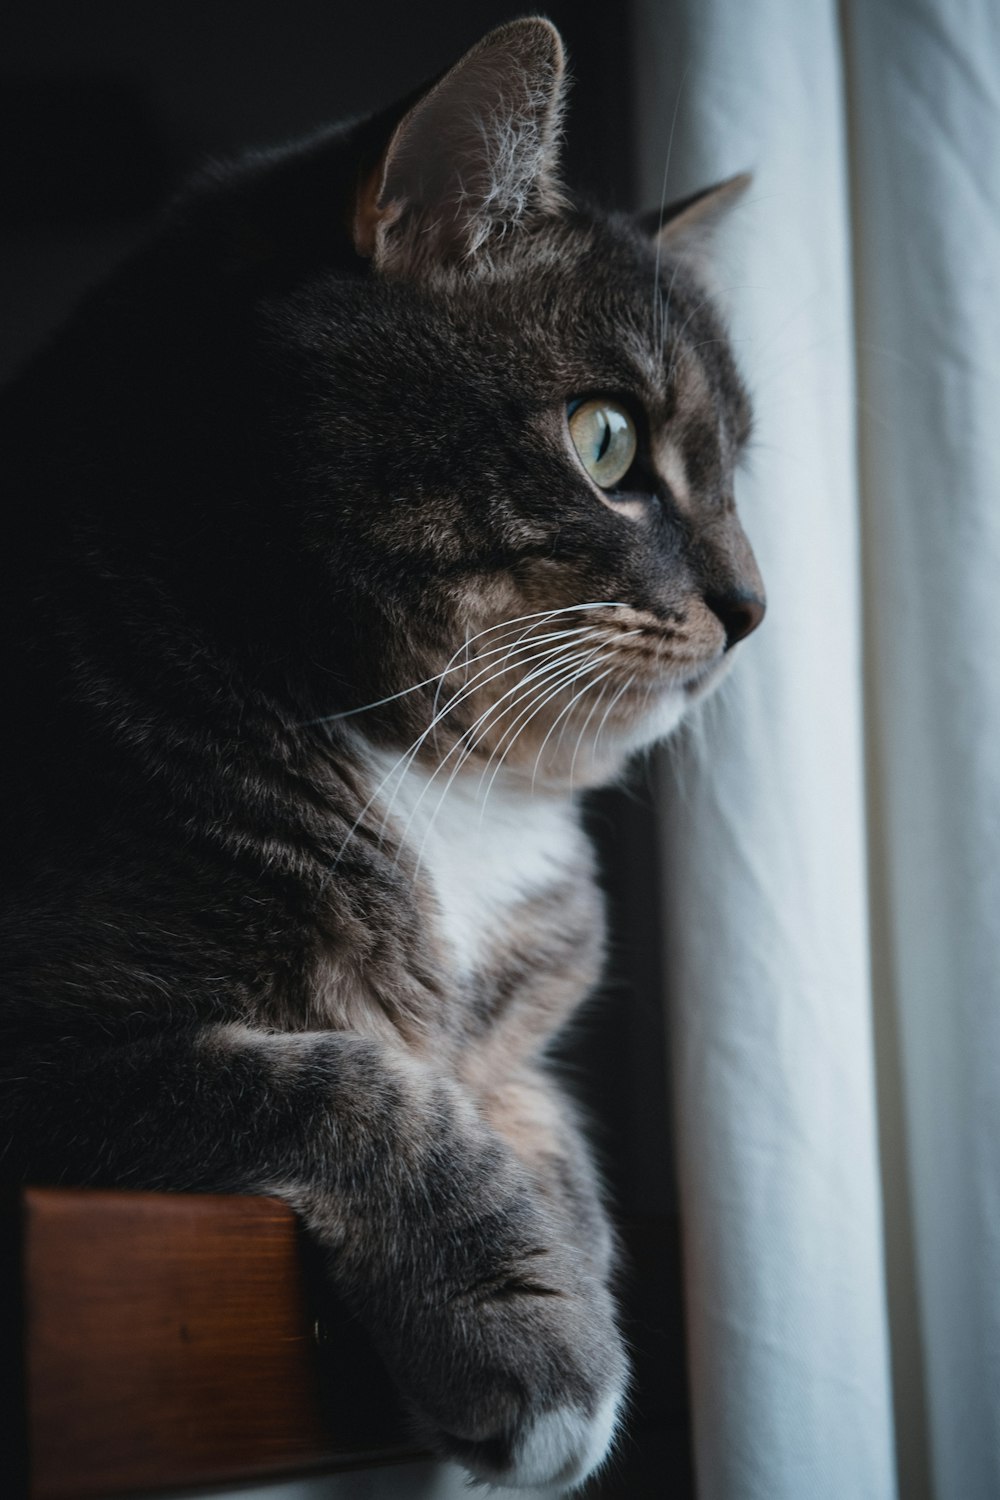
740,613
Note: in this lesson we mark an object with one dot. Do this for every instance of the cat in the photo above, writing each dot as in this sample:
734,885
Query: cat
380,503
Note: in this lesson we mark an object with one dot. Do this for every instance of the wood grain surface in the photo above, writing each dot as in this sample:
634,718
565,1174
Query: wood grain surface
157,1342
174,1340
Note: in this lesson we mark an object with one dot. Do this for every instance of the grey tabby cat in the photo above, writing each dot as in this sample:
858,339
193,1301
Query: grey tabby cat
379,504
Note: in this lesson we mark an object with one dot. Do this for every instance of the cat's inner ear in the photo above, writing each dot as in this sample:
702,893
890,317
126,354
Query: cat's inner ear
474,159
689,224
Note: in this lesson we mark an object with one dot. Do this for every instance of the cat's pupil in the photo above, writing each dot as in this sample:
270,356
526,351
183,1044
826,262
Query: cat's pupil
605,437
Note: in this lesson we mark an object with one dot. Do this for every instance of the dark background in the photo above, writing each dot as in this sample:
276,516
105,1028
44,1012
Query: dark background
104,106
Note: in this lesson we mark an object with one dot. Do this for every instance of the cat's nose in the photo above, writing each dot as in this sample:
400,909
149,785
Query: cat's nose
739,611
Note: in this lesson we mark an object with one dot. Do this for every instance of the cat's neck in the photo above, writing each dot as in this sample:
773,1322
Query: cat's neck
481,849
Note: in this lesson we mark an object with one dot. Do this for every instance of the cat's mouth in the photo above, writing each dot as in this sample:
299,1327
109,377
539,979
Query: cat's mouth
565,694
683,651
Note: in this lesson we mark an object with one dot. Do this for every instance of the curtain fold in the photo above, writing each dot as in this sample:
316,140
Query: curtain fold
831,827
924,98
774,802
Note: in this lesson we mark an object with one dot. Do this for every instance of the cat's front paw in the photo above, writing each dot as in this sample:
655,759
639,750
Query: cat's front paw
531,1381
553,1451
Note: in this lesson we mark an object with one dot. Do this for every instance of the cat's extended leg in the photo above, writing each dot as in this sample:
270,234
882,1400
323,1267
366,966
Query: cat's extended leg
500,1336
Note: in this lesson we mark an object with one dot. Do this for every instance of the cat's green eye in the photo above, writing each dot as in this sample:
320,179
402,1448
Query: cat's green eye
604,436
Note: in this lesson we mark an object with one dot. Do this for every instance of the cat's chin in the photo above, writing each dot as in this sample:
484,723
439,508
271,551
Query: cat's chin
656,722
566,765
602,760
667,711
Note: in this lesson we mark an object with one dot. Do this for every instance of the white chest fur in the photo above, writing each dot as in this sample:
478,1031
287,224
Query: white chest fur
480,857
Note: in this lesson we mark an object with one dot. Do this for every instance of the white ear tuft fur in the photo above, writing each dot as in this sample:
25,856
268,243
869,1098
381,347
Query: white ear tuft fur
474,158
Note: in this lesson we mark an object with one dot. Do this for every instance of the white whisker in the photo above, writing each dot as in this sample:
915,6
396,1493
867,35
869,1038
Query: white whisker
349,713
526,637
579,739
657,306
562,713
520,688
561,643
604,719
570,672
473,737
519,725
666,312
413,750
683,329
479,681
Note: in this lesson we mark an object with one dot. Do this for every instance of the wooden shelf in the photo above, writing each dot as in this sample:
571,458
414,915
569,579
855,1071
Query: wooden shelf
158,1342
173,1341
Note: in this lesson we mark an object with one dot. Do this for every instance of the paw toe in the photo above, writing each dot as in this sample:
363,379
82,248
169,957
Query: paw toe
550,1454
562,1447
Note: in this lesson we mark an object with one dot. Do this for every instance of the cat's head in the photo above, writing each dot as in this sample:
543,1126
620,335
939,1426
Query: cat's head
493,430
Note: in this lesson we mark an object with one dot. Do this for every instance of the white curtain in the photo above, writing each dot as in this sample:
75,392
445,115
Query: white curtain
831,826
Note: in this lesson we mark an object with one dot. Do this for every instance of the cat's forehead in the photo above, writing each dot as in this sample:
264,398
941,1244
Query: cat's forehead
591,305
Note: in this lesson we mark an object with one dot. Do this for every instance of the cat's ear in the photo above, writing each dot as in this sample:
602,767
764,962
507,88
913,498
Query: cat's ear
474,159
689,224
